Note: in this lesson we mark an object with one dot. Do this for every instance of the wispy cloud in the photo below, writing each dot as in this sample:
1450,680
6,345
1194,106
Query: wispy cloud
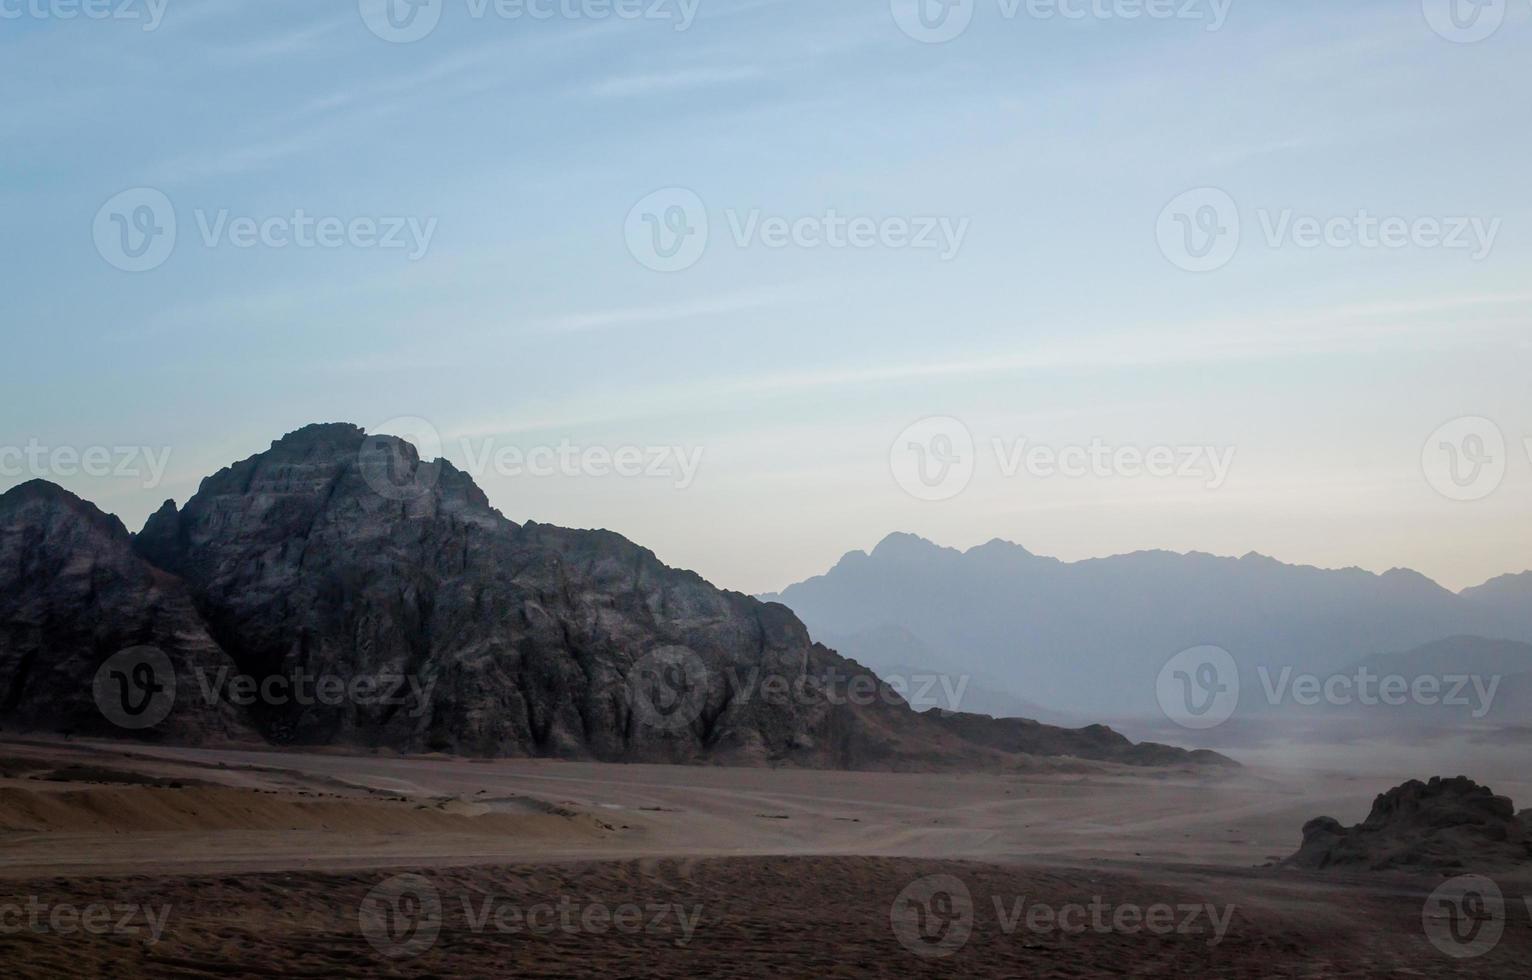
656,83
735,302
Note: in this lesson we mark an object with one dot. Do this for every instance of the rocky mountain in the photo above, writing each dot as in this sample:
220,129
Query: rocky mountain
1444,825
1089,637
72,595
338,590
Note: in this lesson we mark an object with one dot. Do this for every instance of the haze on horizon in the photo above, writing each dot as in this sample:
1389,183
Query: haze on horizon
527,321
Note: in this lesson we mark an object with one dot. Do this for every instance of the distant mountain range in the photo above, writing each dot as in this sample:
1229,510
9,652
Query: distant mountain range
1088,638
337,590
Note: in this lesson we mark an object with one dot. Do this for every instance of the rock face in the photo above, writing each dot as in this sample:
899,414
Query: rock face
72,595
355,595
1446,824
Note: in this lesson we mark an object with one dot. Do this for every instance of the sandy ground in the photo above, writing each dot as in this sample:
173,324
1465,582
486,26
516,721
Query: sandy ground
125,860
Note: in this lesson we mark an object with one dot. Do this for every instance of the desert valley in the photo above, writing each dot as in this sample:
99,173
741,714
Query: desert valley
568,757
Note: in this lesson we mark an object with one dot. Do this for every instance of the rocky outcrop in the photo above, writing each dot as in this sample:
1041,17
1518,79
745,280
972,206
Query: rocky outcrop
340,563
1446,824
1090,742
73,594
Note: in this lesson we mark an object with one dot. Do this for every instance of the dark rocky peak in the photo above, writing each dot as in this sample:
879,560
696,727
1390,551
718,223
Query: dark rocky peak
38,501
1446,825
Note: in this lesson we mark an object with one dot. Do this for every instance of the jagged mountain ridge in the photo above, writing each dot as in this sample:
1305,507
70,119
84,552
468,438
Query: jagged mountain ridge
1089,637
336,554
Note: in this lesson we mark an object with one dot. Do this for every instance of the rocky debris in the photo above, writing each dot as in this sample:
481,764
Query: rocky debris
337,557
72,594
1447,824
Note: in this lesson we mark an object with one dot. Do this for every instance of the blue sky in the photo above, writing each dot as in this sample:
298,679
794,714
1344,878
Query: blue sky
523,144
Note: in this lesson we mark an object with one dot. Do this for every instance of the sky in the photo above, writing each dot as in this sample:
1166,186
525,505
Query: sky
756,283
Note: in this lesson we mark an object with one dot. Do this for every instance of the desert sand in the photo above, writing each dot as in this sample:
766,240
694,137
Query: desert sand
239,862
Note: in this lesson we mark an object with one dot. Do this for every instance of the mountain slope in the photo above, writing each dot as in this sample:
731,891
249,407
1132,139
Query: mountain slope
341,562
72,595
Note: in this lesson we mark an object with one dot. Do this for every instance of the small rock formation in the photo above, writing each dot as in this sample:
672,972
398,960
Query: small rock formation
337,556
1090,742
1444,825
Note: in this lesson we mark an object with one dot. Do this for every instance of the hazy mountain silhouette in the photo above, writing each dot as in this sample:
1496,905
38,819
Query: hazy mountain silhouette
1091,636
